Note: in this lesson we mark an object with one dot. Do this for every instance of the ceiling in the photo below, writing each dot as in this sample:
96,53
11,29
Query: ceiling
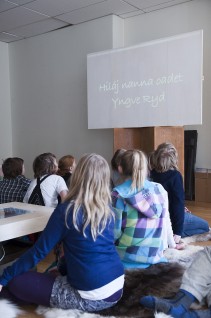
21,19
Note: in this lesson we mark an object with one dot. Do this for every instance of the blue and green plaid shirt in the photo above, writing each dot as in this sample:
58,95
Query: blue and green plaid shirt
13,190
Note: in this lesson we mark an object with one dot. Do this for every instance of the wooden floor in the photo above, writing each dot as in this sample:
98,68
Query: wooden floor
200,209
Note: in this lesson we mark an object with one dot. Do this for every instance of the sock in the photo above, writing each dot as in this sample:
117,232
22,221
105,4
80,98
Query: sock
179,304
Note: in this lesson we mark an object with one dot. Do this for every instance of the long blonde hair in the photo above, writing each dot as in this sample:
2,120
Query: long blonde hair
134,166
90,190
164,158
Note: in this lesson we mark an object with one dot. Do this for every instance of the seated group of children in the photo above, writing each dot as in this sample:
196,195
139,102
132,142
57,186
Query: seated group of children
102,230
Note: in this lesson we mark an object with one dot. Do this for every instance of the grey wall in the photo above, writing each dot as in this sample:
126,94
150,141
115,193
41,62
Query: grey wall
49,92
187,17
5,109
47,84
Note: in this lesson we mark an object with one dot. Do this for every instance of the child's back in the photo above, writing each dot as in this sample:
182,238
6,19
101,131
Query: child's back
141,208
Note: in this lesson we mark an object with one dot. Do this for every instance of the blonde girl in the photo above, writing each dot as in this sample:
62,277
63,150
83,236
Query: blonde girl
164,169
84,223
142,230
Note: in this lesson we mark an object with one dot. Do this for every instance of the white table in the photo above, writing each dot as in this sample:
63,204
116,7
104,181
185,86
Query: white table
24,224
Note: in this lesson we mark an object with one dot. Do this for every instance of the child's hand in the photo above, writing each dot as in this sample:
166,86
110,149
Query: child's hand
177,238
180,245
186,210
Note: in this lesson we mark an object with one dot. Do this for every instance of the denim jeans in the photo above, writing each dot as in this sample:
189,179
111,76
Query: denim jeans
194,225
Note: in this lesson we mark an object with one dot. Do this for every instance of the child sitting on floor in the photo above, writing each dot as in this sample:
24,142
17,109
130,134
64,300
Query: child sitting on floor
66,165
14,185
45,168
164,169
84,223
196,286
142,227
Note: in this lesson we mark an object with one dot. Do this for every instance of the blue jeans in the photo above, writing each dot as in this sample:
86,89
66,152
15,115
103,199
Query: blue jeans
194,225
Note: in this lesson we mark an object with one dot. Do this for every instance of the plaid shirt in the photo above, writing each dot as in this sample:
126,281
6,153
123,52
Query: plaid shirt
13,190
140,222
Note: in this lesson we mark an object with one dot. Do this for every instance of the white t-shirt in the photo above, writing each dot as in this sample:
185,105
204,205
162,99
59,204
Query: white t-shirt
50,187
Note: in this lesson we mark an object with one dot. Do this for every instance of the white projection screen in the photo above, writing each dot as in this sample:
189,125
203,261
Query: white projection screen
157,83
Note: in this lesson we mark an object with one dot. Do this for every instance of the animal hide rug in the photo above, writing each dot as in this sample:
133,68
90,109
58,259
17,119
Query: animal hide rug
8,309
160,280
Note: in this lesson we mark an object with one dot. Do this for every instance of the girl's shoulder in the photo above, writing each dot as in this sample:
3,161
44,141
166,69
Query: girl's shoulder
54,179
23,179
151,185
174,176
123,189
63,207
165,176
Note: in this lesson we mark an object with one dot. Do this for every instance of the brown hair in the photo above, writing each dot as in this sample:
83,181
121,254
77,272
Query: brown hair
115,161
64,164
12,167
44,164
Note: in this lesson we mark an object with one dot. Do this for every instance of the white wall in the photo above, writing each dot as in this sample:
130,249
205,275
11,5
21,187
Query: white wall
5,109
49,91
187,17
48,81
